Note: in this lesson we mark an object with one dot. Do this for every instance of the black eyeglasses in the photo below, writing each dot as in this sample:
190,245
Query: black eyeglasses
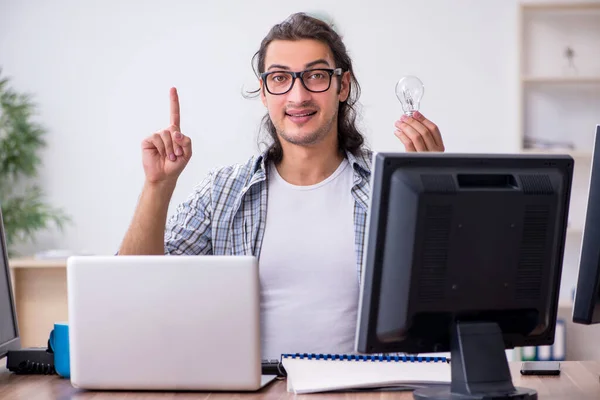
314,80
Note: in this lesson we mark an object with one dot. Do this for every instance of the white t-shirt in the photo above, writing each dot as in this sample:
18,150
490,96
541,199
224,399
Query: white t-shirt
308,276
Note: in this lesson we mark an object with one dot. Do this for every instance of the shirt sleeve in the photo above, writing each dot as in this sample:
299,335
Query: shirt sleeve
188,231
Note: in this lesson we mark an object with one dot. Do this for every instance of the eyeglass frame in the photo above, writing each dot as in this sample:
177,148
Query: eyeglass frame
331,71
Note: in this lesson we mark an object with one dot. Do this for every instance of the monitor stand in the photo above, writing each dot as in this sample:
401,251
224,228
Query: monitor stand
479,367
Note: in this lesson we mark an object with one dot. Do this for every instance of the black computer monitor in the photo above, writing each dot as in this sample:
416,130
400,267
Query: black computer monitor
464,254
9,330
586,308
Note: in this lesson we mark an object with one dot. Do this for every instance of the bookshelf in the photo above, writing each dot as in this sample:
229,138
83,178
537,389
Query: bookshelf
559,49
559,108
559,76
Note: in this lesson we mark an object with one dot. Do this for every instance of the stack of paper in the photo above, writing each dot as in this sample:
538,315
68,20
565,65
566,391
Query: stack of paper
317,374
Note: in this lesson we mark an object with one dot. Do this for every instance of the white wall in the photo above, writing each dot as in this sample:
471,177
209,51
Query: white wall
101,72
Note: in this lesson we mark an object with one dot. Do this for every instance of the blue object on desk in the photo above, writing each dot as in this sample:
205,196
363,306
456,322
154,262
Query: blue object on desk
59,343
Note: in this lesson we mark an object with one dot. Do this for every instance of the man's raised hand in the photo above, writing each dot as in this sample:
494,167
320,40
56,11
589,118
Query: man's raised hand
166,152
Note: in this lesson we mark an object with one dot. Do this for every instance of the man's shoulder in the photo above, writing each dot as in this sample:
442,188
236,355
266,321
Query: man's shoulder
235,177
242,169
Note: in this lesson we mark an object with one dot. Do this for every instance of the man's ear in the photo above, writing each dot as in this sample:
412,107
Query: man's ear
344,86
263,98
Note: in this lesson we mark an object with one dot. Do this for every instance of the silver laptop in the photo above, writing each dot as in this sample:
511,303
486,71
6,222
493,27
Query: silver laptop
164,323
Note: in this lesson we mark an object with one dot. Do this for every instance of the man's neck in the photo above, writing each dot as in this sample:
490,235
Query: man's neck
305,166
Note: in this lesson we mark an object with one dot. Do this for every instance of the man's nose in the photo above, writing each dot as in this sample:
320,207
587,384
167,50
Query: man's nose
298,92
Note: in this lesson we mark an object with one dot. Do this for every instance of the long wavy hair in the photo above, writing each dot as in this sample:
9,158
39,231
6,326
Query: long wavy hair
302,26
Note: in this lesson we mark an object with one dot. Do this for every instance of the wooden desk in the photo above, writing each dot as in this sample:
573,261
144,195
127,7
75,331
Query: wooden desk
578,381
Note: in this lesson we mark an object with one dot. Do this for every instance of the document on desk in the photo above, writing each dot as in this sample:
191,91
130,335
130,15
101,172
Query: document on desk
312,373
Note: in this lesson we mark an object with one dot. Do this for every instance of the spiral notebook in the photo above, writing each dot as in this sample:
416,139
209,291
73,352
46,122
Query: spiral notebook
312,373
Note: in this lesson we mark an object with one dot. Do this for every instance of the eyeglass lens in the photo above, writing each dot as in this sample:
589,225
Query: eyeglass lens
315,80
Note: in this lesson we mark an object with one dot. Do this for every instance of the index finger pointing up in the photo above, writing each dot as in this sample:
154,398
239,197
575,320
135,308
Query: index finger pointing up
175,108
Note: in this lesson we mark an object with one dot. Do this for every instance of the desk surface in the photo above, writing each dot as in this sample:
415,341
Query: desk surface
578,380
32,262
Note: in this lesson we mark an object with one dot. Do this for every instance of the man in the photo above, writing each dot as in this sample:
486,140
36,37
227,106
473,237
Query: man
301,206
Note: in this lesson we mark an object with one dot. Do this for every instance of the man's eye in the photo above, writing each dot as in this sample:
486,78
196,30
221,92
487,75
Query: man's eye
279,78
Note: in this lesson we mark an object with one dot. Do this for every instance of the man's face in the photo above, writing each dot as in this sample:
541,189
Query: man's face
300,116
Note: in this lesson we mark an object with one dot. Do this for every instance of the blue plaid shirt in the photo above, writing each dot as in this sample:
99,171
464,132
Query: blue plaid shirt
226,213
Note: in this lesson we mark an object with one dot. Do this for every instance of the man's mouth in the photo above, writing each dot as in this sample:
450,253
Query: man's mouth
306,113
300,116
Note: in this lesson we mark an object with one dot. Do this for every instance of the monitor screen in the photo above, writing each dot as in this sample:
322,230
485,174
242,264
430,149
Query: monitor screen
464,254
9,333
586,309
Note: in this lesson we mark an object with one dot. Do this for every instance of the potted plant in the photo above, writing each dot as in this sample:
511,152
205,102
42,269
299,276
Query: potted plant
22,202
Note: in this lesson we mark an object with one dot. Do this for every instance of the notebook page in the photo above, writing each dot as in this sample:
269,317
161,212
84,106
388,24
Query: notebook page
318,375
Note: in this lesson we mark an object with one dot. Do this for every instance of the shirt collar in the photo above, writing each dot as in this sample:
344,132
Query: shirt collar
360,162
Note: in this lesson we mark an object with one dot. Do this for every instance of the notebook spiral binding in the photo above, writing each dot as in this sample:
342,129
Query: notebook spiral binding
359,357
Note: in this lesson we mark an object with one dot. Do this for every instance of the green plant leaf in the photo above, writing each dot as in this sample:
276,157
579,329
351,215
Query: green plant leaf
25,212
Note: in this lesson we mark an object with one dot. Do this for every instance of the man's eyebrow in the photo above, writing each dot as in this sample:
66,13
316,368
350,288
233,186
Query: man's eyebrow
319,61
278,66
310,64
